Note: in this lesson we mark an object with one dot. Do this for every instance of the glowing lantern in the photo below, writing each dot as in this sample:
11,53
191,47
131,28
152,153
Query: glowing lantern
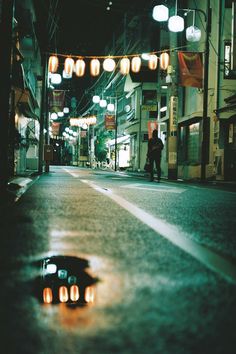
95,67
176,23
79,67
74,293
69,66
152,62
164,61
89,294
63,294
103,103
193,34
47,295
53,64
109,64
124,66
111,107
135,64
96,99
160,13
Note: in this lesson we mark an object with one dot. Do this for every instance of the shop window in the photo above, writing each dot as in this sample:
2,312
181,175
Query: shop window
228,73
149,97
182,144
193,148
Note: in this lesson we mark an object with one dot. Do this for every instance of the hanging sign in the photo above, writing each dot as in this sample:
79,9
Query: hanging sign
110,122
190,69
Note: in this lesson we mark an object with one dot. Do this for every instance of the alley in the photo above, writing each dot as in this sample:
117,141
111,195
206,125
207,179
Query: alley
163,256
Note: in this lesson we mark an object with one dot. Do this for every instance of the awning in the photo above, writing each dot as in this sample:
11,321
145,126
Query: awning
226,112
25,103
189,119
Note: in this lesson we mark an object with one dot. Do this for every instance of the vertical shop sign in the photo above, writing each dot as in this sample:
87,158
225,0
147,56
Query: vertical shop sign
110,122
173,113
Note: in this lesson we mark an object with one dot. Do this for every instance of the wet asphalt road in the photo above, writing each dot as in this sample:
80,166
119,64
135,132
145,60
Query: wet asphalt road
164,255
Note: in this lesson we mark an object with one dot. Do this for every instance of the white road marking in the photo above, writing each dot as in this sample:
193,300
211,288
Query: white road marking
75,175
157,188
175,235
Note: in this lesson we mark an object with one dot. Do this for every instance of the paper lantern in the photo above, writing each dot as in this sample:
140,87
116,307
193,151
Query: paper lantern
152,62
95,67
47,295
74,293
79,67
109,64
96,99
124,66
55,79
53,64
135,64
176,24
63,294
111,107
103,103
160,13
69,66
164,61
193,34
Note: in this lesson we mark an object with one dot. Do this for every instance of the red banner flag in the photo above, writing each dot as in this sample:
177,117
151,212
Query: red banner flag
190,69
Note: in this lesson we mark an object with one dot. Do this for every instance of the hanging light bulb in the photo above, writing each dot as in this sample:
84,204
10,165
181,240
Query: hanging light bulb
160,13
79,67
135,64
176,23
152,62
109,64
95,67
53,64
164,61
96,99
193,33
69,66
124,66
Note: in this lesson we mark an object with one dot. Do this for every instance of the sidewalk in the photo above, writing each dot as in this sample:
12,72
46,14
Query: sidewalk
209,183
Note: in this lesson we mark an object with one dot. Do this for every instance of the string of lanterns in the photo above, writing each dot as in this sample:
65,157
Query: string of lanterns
127,63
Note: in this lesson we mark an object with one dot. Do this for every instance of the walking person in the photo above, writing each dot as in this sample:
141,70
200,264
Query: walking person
155,146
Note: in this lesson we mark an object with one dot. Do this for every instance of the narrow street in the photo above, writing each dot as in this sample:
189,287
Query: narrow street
161,261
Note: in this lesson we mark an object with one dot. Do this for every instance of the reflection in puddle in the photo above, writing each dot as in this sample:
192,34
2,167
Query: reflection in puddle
64,280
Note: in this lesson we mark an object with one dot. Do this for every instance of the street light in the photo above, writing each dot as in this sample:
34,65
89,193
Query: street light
194,34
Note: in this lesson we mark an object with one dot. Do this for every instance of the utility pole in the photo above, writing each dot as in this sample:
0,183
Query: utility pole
173,112
6,31
205,133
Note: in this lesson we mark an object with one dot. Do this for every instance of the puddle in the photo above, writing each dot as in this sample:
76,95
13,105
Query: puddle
65,280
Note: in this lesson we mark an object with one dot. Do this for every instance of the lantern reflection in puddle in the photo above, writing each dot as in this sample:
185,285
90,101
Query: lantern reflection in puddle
89,295
74,293
47,295
63,294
